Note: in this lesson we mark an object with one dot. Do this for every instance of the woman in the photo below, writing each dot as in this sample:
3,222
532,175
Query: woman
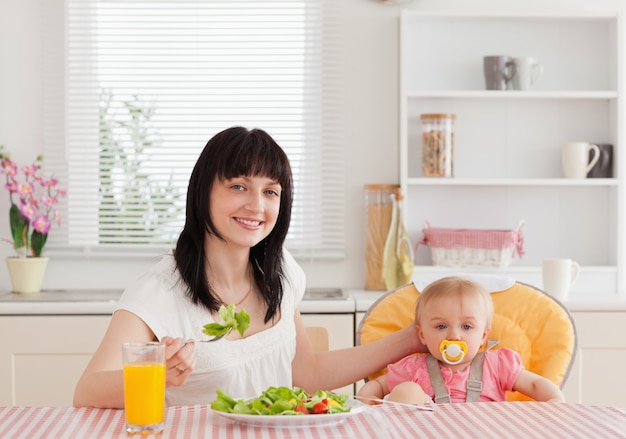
230,252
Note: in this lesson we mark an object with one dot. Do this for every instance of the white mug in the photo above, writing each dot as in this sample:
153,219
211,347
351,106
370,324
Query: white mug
558,276
575,158
528,71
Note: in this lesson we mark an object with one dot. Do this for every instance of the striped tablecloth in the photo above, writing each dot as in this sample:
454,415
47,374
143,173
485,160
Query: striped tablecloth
475,420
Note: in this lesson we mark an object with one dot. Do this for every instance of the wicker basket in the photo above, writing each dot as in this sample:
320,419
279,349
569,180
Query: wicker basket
473,247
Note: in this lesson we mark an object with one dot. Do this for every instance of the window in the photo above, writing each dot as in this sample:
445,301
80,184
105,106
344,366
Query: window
147,83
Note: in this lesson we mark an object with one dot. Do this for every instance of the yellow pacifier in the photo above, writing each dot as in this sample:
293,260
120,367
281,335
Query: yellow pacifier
453,352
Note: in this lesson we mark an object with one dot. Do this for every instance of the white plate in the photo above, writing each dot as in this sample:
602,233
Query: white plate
295,421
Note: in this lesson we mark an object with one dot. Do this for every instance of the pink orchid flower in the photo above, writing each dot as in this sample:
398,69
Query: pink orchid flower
30,170
49,201
41,224
9,168
26,189
30,214
49,183
28,211
12,186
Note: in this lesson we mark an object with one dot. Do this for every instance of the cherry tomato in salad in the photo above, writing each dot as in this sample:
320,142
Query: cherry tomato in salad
319,409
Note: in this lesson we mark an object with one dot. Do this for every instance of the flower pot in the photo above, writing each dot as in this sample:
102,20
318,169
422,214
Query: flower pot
26,273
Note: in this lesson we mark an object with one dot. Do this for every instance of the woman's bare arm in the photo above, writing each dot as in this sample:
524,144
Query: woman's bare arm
102,382
332,369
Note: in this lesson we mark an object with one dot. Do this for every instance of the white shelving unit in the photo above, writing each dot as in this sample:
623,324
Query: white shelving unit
507,143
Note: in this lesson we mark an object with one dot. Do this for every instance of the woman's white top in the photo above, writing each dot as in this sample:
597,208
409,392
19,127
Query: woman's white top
242,368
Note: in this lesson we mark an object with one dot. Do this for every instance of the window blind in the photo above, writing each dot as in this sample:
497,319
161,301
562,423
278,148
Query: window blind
148,82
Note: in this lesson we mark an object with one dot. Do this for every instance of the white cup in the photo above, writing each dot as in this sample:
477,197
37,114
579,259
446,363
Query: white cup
575,158
527,71
558,276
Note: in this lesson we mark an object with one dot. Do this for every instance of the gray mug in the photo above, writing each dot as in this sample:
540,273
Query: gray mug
604,166
499,71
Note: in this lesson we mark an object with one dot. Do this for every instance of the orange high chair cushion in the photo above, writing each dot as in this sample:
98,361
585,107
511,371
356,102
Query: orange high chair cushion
525,320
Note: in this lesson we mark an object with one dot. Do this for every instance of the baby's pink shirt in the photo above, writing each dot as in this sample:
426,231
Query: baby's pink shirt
500,370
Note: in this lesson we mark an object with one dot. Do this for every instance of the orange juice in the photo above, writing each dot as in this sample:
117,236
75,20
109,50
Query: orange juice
144,393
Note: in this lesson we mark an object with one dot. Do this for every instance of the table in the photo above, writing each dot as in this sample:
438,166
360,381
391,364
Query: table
473,420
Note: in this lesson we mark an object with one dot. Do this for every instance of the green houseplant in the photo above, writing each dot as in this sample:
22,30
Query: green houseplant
31,213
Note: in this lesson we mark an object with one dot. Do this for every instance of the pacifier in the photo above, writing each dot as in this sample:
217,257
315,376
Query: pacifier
453,352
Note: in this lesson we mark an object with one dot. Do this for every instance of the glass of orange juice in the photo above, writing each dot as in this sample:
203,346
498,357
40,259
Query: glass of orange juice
144,386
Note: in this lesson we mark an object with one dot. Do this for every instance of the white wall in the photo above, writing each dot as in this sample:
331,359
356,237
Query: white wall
371,123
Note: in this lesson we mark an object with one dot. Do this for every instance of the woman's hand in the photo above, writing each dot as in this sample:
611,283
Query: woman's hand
412,334
180,360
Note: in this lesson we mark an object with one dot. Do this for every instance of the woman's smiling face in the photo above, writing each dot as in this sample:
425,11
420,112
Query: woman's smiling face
244,209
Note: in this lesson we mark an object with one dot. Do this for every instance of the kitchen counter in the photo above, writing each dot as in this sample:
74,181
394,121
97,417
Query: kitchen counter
317,300
60,302
104,302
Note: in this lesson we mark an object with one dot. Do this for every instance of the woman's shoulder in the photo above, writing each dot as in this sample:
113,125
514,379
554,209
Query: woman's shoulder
289,262
162,277
294,276
158,297
164,270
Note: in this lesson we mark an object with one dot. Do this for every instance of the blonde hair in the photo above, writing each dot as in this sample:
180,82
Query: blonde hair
454,286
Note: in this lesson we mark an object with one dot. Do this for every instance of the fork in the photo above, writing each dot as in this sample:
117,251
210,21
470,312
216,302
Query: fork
190,340
216,338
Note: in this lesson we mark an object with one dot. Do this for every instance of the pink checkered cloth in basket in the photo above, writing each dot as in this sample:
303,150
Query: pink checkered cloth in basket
473,238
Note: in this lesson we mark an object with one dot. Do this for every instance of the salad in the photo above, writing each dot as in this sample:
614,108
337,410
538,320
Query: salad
239,321
283,401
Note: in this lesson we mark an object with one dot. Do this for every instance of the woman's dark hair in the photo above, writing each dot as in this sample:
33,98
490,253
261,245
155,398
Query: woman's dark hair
232,153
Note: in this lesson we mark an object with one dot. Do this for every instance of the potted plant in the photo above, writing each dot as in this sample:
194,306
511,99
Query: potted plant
32,198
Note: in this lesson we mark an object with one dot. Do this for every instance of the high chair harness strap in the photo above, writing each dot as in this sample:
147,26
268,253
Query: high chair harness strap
474,381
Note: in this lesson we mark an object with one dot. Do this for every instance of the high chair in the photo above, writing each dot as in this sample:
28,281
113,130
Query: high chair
525,319
319,337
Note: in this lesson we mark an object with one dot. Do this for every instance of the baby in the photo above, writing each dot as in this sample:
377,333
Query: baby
453,319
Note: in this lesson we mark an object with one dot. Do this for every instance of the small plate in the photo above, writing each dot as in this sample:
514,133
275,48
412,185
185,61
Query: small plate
296,421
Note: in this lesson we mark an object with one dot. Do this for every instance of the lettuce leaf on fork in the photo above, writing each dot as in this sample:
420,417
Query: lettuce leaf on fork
239,321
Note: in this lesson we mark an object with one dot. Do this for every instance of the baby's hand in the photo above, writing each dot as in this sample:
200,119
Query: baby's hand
409,392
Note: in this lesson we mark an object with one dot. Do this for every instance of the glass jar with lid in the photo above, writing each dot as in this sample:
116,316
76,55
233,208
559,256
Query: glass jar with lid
437,145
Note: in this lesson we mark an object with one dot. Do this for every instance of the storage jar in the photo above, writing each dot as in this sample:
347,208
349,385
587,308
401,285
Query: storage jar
437,145
379,206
